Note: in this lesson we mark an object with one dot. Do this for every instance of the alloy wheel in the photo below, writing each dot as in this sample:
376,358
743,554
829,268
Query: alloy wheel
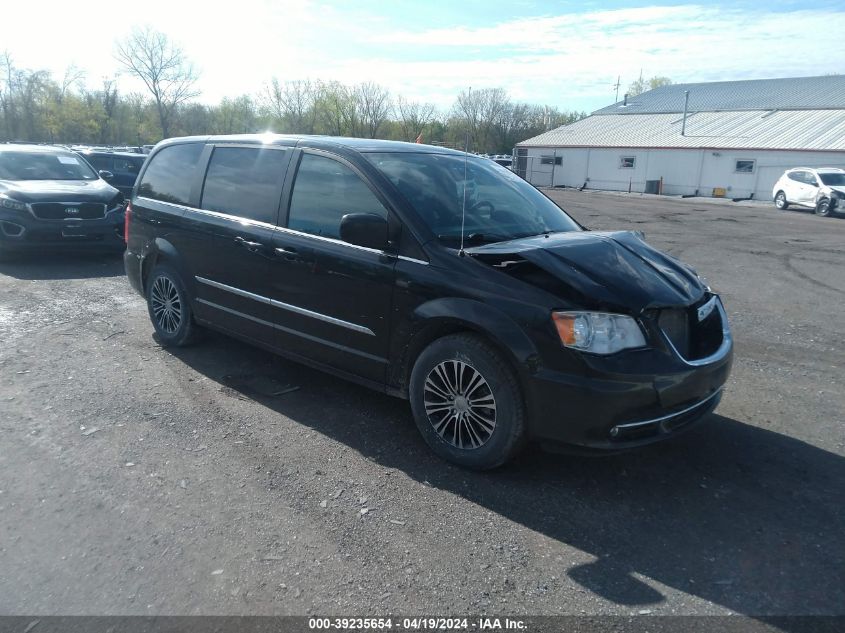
823,208
166,305
780,201
460,404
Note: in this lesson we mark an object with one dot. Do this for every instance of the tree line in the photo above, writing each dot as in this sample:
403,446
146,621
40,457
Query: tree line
36,106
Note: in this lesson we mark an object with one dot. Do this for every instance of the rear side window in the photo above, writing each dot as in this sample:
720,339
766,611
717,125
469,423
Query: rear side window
100,162
326,190
245,182
170,173
797,176
127,166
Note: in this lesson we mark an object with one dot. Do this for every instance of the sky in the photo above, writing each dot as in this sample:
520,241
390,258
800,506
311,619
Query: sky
564,54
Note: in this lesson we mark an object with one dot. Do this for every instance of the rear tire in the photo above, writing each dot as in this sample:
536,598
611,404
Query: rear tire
170,308
780,201
467,402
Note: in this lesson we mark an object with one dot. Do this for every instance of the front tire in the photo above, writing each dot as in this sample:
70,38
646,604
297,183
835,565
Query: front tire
467,402
823,207
170,308
780,201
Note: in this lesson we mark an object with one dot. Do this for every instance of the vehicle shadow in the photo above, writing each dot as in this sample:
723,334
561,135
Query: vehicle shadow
746,518
62,265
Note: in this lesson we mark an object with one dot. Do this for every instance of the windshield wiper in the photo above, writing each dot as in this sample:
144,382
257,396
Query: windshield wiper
546,233
477,238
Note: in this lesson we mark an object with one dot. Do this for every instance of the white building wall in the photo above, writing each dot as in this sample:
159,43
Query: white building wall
684,171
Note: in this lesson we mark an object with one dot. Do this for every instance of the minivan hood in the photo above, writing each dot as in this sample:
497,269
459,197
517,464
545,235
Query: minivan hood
58,190
597,270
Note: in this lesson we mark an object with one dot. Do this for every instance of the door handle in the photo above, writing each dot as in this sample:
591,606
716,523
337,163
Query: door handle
252,247
287,253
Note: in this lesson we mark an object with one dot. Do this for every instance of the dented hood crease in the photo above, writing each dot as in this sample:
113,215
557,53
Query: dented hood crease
616,270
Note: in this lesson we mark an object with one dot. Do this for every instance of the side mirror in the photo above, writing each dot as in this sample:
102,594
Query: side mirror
106,175
364,229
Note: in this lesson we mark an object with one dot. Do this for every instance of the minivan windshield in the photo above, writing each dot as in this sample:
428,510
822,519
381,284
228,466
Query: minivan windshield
499,204
44,166
832,179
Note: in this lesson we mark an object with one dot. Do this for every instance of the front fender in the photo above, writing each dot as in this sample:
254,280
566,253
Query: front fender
441,317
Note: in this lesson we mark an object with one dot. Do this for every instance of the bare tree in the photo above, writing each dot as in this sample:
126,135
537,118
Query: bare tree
414,117
33,95
340,107
73,77
8,94
234,116
481,111
108,101
164,69
292,104
375,107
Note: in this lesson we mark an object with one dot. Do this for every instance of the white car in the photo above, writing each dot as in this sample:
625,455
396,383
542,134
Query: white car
818,188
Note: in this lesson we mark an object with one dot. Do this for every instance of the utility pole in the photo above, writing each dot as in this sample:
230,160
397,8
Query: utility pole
616,85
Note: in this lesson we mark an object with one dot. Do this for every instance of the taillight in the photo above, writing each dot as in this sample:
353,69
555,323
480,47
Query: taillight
126,217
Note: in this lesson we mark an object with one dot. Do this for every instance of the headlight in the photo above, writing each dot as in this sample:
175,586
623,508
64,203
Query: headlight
8,203
598,332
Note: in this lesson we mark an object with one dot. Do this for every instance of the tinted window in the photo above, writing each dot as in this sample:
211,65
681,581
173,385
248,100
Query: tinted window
100,162
325,191
245,182
810,179
129,166
171,173
44,166
797,176
499,204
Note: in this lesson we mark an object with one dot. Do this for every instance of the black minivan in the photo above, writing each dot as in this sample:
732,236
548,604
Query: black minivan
431,275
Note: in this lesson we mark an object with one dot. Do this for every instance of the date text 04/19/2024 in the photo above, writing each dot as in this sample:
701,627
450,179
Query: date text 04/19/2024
417,624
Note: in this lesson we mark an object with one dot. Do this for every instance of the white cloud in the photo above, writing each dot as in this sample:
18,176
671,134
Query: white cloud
570,60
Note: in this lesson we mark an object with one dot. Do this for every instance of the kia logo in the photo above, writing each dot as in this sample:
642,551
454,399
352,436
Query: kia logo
71,211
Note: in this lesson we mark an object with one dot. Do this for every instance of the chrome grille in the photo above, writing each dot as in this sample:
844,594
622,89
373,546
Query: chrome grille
68,210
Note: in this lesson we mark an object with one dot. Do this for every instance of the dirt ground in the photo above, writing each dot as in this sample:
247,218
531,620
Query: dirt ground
135,480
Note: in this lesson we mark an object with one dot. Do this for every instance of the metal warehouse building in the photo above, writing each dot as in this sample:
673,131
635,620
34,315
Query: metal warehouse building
736,139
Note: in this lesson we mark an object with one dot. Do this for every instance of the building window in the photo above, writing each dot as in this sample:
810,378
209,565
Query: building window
627,162
745,166
551,160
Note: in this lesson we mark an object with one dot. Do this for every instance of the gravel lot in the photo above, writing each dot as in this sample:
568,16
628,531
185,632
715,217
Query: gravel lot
134,480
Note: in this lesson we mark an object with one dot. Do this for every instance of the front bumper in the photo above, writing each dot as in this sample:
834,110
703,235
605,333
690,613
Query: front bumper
635,399
21,231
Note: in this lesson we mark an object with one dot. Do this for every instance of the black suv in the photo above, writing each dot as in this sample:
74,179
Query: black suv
430,275
124,167
51,198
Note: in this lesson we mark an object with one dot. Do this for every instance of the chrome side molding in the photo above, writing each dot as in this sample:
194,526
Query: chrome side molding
286,306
